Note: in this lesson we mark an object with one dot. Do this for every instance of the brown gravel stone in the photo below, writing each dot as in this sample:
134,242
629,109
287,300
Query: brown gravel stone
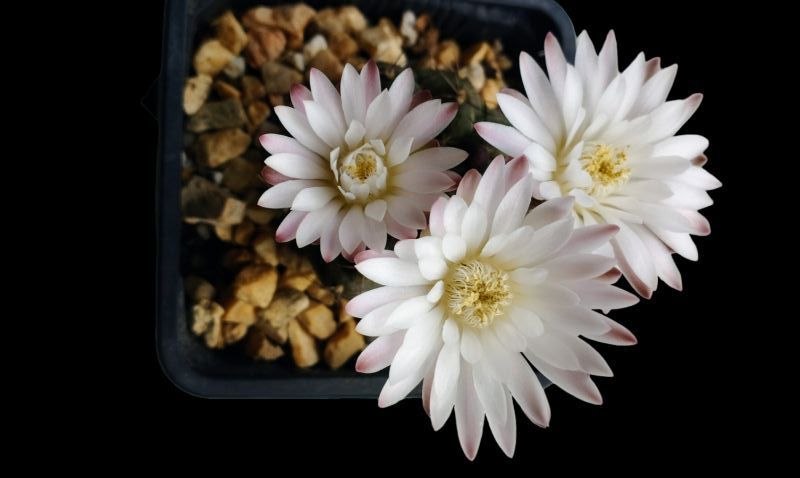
279,78
285,306
211,58
448,54
342,45
321,294
198,288
264,247
207,321
304,347
252,89
240,175
327,63
257,113
226,90
345,343
219,147
260,347
256,284
195,93
230,32
318,320
218,115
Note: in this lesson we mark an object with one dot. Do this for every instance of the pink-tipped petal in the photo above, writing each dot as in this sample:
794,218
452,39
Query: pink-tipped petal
556,64
379,354
505,138
282,195
516,169
371,81
270,176
577,384
397,230
610,277
350,256
617,335
469,415
299,94
405,212
350,229
354,104
366,302
540,93
468,185
455,177
278,143
325,94
589,238
424,181
419,98
297,125
288,228
372,254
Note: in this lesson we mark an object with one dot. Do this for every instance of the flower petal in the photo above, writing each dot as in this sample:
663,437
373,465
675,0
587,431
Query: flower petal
379,353
596,295
512,208
288,228
439,159
278,143
378,116
315,222
297,125
540,94
549,212
282,195
374,234
351,227
524,119
468,185
405,212
505,138
376,209
366,302
328,98
310,199
574,267
295,166
393,272
354,104
422,181
577,384
469,414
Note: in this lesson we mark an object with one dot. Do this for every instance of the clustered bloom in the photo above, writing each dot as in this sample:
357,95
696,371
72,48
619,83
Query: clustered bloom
492,285
493,291
360,163
608,139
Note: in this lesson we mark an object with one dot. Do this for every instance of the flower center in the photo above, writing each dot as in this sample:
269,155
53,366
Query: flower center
362,165
606,165
361,174
477,293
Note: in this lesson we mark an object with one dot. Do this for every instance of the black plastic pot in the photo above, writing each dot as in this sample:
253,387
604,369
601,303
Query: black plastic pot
520,24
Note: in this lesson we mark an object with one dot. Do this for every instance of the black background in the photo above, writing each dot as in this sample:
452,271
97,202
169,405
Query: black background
679,395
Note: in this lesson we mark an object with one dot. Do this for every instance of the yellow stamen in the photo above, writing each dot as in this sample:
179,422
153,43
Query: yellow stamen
362,167
606,165
477,293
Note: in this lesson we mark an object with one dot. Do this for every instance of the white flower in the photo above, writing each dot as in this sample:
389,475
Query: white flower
607,138
492,285
360,164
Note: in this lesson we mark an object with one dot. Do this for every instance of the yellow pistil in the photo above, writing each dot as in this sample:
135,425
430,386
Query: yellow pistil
477,293
606,165
362,167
